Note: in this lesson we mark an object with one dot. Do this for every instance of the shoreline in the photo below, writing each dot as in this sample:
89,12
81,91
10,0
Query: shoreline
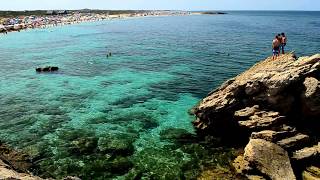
43,22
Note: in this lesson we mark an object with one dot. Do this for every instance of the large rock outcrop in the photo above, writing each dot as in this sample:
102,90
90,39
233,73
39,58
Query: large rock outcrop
275,103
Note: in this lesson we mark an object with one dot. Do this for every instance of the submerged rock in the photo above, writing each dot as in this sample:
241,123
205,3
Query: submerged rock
153,163
116,143
179,136
84,145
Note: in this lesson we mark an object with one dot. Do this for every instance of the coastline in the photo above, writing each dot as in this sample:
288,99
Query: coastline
43,22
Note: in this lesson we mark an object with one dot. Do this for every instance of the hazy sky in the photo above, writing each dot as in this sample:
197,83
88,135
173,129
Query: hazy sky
163,4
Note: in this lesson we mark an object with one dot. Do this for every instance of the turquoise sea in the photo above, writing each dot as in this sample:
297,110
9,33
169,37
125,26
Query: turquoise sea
126,116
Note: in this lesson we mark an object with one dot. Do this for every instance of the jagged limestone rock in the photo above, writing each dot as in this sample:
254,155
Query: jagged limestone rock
262,120
255,177
271,135
311,173
269,158
294,142
241,166
311,98
307,153
267,84
245,113
276,102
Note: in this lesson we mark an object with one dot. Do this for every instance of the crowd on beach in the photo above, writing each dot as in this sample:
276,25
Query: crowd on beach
278,45
27,22
63,18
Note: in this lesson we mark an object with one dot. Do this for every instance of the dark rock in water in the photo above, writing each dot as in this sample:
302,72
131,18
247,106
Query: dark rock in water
276,105
208,162
120,165
177,135
116,144
77,141
152,163
47,69
83,153
84,145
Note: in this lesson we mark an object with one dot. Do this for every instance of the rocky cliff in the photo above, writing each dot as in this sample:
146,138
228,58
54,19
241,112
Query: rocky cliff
274,108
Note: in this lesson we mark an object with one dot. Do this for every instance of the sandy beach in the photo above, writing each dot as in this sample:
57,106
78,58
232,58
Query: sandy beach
64,18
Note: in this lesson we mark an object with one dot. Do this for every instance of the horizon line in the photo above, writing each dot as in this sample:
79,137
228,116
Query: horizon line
156,10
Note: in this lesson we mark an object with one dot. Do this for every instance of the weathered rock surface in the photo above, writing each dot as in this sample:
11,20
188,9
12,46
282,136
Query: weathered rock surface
273,136
276,105
7,173
262,120
294,142
241,165
269,158
14,165
271,84
311,173
307,153
310,97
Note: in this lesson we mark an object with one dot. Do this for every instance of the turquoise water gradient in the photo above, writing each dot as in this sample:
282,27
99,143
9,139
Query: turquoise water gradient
160,68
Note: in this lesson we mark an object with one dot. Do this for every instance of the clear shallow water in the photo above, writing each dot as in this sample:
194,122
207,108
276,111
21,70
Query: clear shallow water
107,118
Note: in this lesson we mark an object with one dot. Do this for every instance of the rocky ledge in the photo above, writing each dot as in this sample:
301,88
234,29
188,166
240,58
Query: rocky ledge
14,165
273,110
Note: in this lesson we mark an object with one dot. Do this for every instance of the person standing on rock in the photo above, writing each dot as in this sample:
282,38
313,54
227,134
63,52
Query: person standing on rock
275,47
283,42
